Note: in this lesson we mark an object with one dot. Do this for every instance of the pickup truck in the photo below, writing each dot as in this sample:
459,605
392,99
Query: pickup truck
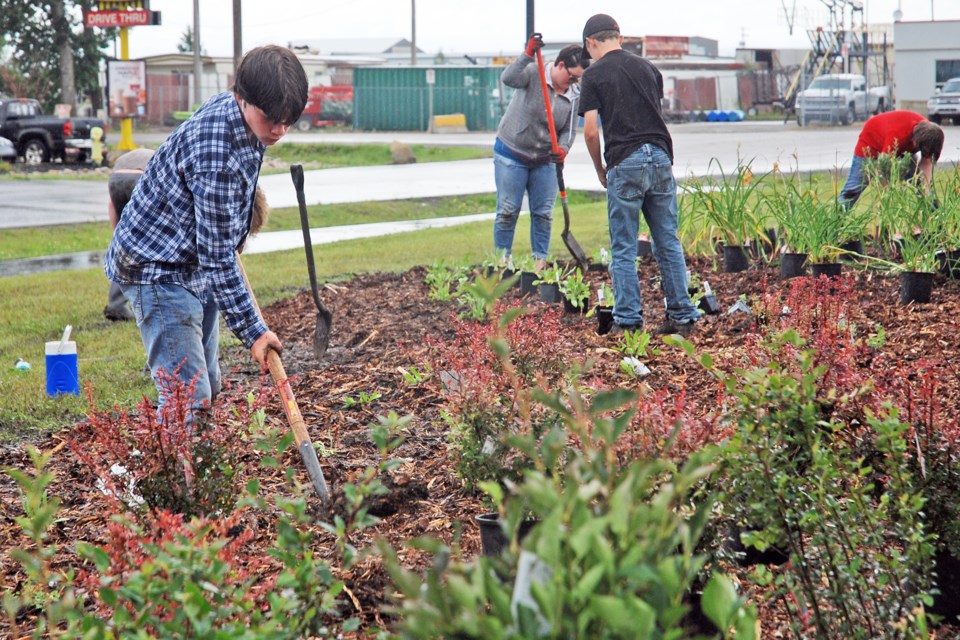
39,138
840,97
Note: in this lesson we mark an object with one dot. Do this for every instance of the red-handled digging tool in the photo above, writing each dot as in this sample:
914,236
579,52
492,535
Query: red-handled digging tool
572,245
291,409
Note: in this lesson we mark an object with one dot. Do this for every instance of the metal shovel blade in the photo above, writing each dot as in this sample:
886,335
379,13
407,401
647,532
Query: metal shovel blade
572,245
321,333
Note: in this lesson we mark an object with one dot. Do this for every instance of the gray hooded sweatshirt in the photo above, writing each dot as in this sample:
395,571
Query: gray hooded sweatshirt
523,127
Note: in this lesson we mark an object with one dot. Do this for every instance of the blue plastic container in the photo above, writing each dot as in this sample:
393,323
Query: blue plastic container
62,372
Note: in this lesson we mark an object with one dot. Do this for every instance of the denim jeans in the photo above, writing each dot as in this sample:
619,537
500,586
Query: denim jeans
859,178
539,182
178,330
644,182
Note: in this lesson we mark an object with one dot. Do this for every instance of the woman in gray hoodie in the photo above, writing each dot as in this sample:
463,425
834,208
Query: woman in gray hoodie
523,157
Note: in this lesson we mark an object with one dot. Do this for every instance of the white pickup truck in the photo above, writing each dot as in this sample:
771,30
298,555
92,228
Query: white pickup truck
840,97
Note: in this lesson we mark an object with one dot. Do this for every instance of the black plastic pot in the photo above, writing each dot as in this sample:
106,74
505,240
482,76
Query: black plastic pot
570,308
644,248
526,283
746,556
506,274
735,259
604,320
765,245
828,269
550,293
493,539
793,265
855,246
949,263
915,286
947,602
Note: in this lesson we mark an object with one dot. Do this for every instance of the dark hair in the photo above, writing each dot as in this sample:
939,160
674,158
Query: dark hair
272,79
120,188
928,139
572,56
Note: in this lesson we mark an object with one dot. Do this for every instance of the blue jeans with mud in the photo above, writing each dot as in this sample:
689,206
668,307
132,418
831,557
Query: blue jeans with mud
539,182
644,182
181,335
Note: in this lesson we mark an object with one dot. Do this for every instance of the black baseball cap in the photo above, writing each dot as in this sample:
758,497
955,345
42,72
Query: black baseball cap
596,24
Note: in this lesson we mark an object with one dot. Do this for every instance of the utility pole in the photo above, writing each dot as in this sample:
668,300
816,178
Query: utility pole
197,66
413,33
530,27
237,36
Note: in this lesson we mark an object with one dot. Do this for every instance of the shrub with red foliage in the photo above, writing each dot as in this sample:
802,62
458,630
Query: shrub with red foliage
658,415
480,401
172,460
825,313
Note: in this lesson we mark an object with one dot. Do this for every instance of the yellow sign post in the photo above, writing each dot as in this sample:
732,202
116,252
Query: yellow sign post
123,14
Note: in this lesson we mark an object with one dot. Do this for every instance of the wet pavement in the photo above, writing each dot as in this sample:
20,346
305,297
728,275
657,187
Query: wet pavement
260,243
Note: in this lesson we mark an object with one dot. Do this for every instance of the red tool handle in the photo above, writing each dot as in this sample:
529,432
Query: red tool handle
550,124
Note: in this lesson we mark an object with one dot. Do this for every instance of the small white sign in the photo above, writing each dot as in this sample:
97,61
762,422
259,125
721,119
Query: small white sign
431,76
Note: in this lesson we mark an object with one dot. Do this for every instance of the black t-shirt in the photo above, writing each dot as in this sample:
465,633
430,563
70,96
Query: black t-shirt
626,90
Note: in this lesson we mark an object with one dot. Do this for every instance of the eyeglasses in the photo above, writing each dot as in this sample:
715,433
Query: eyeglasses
573,79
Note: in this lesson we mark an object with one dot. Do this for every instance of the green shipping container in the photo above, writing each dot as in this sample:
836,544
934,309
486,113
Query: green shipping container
400,98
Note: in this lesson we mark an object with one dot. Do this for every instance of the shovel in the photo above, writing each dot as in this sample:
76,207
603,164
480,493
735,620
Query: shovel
572,245
291,409
321,333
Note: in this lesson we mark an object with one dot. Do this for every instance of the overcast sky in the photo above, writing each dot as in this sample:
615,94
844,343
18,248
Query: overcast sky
491,26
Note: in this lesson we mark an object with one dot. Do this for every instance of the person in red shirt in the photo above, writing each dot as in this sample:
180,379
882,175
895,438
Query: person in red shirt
898,133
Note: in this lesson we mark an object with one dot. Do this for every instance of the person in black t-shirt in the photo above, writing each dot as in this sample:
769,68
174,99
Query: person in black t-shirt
623,91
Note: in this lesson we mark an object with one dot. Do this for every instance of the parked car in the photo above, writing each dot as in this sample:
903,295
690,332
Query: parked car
39,138
840,97
8,153
945,105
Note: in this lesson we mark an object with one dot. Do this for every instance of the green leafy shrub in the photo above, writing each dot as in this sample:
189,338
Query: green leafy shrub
859,555
614,545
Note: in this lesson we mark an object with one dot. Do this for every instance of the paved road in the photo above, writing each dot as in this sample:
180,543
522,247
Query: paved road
35,203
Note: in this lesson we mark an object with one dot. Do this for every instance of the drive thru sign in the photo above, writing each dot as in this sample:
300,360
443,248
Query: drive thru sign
135,18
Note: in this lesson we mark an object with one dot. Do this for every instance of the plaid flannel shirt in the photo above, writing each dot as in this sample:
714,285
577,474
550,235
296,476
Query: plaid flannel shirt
190,212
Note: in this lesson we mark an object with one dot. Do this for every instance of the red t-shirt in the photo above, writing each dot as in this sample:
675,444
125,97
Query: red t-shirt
890,132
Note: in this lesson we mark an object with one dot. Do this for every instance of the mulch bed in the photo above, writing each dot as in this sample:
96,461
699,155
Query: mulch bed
380,322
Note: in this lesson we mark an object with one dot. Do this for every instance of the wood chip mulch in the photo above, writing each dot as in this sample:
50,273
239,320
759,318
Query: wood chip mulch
380,323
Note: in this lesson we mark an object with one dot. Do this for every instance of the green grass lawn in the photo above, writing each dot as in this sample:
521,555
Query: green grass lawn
111,355
325,156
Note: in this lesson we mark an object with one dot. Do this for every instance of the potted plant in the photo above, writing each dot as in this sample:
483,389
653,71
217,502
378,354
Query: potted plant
525,264
793,205
549,280
827,229
600,261
913,221
576,292
603,309
946,200
729,207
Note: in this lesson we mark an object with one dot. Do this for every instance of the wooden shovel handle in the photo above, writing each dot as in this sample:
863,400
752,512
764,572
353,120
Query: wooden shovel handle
279,375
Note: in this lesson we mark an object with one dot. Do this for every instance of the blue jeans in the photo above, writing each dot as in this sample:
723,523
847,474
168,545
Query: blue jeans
178,330
859,178
539,182
644,182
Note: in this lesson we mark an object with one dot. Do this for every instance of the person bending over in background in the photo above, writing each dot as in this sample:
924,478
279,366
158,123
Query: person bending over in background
174,251
523,158
624,91
899,133
126,173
